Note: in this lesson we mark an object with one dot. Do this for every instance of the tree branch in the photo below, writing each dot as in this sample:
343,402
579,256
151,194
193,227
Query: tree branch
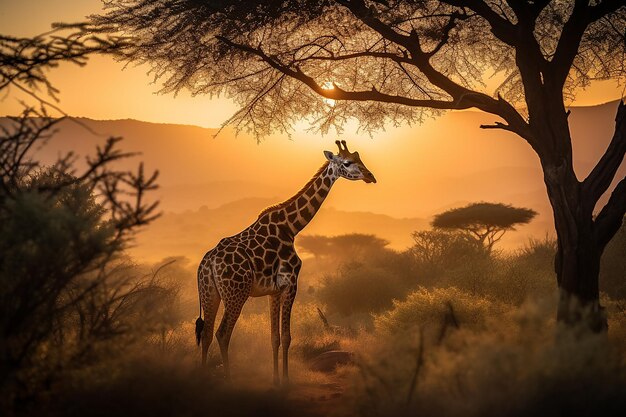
600,178
445,37
367,54
337,93
500,27
610,218
465,97
573,30
498,125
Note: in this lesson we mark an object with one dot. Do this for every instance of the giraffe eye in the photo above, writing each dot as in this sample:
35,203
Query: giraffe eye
347,163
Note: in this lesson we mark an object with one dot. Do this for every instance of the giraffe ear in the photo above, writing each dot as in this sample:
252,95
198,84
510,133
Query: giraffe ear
329,155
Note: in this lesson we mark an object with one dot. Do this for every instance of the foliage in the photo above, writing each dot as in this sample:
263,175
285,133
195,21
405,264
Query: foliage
24,62
65,292
496,361
358,288
486,222
379,60
159,387
435,251
439,259
427,307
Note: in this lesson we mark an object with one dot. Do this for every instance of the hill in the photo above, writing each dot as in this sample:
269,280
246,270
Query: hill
192,232
443,163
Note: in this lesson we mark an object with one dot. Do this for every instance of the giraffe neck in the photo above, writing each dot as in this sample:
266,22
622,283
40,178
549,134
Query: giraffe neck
304,205
296,212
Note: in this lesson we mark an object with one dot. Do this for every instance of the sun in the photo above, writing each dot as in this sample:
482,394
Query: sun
329,85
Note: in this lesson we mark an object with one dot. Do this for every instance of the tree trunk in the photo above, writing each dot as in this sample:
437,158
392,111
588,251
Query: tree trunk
577,266
577,262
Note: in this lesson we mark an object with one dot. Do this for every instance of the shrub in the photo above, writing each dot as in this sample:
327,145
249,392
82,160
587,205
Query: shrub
437,251
431,307
504,361
361,288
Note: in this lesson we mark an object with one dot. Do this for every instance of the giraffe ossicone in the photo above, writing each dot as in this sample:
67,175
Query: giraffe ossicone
261,261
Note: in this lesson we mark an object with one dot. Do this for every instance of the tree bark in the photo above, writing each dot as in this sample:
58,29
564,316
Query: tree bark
581,239
577,266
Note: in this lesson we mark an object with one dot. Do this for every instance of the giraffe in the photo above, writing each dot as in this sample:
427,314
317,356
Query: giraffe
261,261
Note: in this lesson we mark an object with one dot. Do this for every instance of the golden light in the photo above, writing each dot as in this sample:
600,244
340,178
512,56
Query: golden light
329,85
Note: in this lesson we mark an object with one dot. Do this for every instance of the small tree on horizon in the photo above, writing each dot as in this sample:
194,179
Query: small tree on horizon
485,222
349,246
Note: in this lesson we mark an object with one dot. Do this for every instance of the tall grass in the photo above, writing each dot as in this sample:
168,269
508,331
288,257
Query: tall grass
456,332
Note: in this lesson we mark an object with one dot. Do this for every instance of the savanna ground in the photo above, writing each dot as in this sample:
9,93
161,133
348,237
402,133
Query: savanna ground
442,328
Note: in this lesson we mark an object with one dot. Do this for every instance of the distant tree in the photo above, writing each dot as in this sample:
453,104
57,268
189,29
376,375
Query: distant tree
485,222
349,246
392,61
438,249
358,245
316,245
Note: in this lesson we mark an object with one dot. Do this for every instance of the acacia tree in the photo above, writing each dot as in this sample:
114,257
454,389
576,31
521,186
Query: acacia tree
485,222
383,61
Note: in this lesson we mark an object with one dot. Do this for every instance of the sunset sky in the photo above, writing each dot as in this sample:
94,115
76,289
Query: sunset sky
443,163
104,90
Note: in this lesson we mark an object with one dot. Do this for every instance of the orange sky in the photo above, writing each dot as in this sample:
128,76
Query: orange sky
114,93
443,163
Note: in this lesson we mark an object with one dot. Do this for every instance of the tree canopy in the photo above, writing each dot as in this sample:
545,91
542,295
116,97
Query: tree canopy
380,60
486,222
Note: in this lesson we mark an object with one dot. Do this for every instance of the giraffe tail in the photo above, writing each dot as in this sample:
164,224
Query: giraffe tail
199,321
199,328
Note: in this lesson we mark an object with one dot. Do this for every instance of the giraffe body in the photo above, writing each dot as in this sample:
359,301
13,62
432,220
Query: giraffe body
262,261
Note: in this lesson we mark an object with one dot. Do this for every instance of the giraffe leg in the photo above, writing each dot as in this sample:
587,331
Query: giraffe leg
210,311
232,309
288,298
275,318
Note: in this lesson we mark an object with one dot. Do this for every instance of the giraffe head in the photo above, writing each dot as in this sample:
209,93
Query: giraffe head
349,164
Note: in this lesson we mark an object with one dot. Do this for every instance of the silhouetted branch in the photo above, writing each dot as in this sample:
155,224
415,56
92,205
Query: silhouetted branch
600,178
419,363
322,316
502,28
24,61
337,93
498,125
573,30
610,218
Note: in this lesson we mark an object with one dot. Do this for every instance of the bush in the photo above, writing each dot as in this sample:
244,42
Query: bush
437,251
432,307
511,278
63,293
362,288
500,361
